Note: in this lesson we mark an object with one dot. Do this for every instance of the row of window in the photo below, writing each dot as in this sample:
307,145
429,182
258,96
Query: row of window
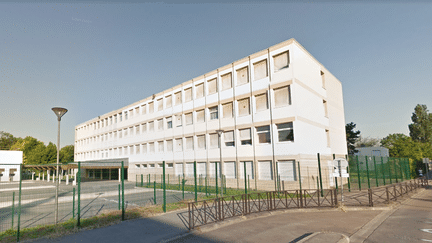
286,169
280,61
242,107
285,133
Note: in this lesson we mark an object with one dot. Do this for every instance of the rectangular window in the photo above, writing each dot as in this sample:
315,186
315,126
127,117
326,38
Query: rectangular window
137,110
131,131
265,170
137,129
160,146
213,113
170,165
199,90
120,118
168,101
212,169
143,109
212,86
151,126
152,165
151,147
137,149
160,125
144,166
200,116
131,149
227,110
230,170
323,80
263,134
169,145
281,61
261,103
131,113
245,136
178,120
282,96
287,170
201,142
189,143
202,169
325,108
189,119
243,106
120,132
249,170
188,94
260,70
179,144
178,98
226,81
229,139
151,107
169,122
328,137
115,134
115,120
214,140
144,127
242,76
125,150
160,104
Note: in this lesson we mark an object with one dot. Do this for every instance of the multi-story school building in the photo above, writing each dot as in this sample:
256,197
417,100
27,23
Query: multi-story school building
272,109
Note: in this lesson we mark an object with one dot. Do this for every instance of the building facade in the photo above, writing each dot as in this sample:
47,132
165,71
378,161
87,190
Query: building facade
273,109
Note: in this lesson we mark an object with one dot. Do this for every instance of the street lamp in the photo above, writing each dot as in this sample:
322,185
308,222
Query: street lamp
219,132
59,112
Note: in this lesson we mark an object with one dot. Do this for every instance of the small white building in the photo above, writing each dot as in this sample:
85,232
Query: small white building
10,165
373,151
276,107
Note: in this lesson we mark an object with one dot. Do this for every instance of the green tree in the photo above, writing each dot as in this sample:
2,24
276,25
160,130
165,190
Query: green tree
368,142
7,140
50,154
351,137
67,154
36,155
421,128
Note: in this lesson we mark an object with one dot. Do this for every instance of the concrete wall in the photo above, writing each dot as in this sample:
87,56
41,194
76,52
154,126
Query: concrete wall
10,165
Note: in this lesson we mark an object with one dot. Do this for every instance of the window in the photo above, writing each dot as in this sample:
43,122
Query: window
160,145
260,69
229,138
282,96
226,81
131,131
199,90
151,126
214,140
285,132
323,80
115,134
120,118
242,76
325,108
170,165
144,127
178,98
125,150
227,110
151,147
131,113
151,107
328,137
179,144
120,132
281,61
286,170
265,170
201,142
143,109
188,94
212,86
160,124
178,120
169,122
168,101
263,134
144,166
160,104
144,148
137,149
243,106
137,110
189,119
189,143
200,116
249,170
213,113
152,165
245,136
131,149
115,119
261,102
169,145
126,116
230,170
137,129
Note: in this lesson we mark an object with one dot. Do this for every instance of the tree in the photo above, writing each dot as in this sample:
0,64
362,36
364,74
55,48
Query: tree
67,154
351,137
368,142
50,154
421,128
7,140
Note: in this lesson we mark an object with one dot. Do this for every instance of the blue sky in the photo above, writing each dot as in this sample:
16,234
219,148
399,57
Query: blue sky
95,57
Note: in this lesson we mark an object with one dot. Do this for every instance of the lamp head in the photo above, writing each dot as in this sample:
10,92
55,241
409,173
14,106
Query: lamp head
59,112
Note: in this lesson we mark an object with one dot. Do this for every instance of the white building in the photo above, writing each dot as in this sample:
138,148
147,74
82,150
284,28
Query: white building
10,165
276,107
373,151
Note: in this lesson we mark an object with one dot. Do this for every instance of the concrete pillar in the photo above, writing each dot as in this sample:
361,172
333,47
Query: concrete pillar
119,176
67,179
33,176
43,175
38,179
48,175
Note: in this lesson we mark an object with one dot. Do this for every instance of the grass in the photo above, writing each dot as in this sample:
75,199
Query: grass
103,220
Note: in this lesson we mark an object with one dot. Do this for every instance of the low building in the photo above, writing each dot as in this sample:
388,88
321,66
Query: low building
10,165
272,109
372,151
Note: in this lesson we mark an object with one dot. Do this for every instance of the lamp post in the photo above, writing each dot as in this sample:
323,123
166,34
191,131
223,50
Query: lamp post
59,112
219,132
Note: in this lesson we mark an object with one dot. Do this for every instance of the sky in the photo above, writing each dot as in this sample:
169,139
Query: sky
93,57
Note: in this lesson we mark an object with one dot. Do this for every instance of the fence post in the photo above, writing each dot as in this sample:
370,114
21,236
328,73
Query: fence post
400,169
382,169
195,177
183,186
216,172
389,169
358,172
370,197
349,178
73,203
142,180
299,178
206,186
79,194
164,187
367,171
119,197
335,178
376,171
154,192
13,209
122,185
320,175
387,194
19,204
244,177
